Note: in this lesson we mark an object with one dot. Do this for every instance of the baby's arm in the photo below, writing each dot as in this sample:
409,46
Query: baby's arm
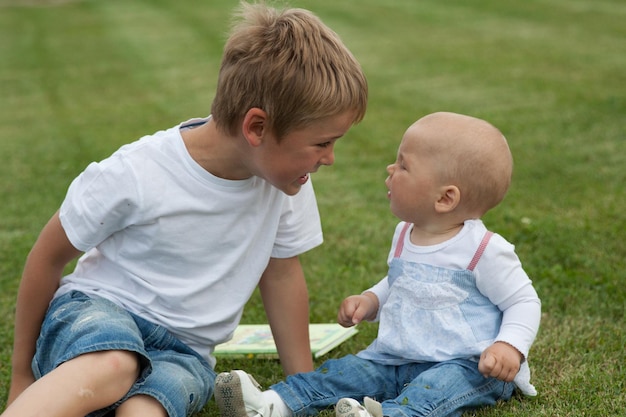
365,306
503,280
43,271
356,308
501,361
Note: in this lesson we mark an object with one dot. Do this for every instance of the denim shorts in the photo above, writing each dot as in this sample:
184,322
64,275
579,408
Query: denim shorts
172,373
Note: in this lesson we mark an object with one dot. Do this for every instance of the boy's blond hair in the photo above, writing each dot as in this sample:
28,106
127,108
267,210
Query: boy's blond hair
289,64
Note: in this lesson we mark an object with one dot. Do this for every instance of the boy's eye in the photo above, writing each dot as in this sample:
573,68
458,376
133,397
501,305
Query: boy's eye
324,145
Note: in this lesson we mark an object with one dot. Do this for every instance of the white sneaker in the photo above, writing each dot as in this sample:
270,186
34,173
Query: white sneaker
237,394
347,407
373,407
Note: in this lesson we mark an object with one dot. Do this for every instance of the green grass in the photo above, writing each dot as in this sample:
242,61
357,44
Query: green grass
80,78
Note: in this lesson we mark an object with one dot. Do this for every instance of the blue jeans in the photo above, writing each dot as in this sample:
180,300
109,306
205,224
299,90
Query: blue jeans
172,373
414,389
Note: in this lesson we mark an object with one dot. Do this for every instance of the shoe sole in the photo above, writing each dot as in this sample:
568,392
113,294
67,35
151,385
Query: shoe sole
229,396
344,409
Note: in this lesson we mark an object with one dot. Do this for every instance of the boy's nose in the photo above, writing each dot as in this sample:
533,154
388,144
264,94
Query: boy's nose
329,157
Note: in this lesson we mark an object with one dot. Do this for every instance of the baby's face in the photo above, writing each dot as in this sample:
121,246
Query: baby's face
413,184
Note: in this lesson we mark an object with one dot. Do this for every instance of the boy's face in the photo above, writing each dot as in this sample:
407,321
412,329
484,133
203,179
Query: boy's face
412,182
287,165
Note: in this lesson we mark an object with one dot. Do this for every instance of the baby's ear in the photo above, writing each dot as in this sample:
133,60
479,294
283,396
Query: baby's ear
449,199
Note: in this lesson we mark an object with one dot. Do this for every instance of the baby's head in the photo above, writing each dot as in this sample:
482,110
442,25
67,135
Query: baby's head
468,153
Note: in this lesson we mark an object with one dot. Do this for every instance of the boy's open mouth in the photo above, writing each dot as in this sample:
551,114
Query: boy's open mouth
303,179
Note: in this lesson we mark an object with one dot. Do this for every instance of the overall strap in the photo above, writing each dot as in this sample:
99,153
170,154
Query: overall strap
400,243
480,250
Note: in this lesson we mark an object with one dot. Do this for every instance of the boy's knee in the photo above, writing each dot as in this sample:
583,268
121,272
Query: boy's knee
120,365
123,362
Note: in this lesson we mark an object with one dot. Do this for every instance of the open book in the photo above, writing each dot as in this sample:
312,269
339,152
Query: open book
251,340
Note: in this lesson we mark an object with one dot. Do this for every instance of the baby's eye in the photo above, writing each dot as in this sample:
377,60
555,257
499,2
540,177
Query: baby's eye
324,145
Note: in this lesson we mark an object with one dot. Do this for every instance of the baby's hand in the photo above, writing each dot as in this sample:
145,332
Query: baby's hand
501,361
357,308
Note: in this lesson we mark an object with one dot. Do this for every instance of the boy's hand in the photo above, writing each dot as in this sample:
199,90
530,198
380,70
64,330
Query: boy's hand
356,308
501,361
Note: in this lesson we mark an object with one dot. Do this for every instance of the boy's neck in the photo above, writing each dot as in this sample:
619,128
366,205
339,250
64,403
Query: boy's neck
215,152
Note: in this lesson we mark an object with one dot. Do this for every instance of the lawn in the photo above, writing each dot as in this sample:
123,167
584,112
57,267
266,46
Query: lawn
80,78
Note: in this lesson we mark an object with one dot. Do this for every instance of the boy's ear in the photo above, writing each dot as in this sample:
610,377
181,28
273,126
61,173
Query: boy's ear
254,126
449,199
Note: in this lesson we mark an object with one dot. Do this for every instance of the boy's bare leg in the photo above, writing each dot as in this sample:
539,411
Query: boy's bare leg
79,386
139,406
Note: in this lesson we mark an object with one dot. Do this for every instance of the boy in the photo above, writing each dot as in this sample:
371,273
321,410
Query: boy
177,230
457,312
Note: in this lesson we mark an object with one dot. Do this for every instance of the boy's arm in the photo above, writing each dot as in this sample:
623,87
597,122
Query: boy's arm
43,271
286,300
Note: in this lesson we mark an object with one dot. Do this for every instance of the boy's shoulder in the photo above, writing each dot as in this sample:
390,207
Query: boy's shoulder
161,141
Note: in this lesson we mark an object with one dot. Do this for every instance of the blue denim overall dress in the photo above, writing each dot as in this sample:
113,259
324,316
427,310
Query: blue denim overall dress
433,313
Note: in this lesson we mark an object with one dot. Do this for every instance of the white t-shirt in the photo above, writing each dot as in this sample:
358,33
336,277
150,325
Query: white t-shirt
171,242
